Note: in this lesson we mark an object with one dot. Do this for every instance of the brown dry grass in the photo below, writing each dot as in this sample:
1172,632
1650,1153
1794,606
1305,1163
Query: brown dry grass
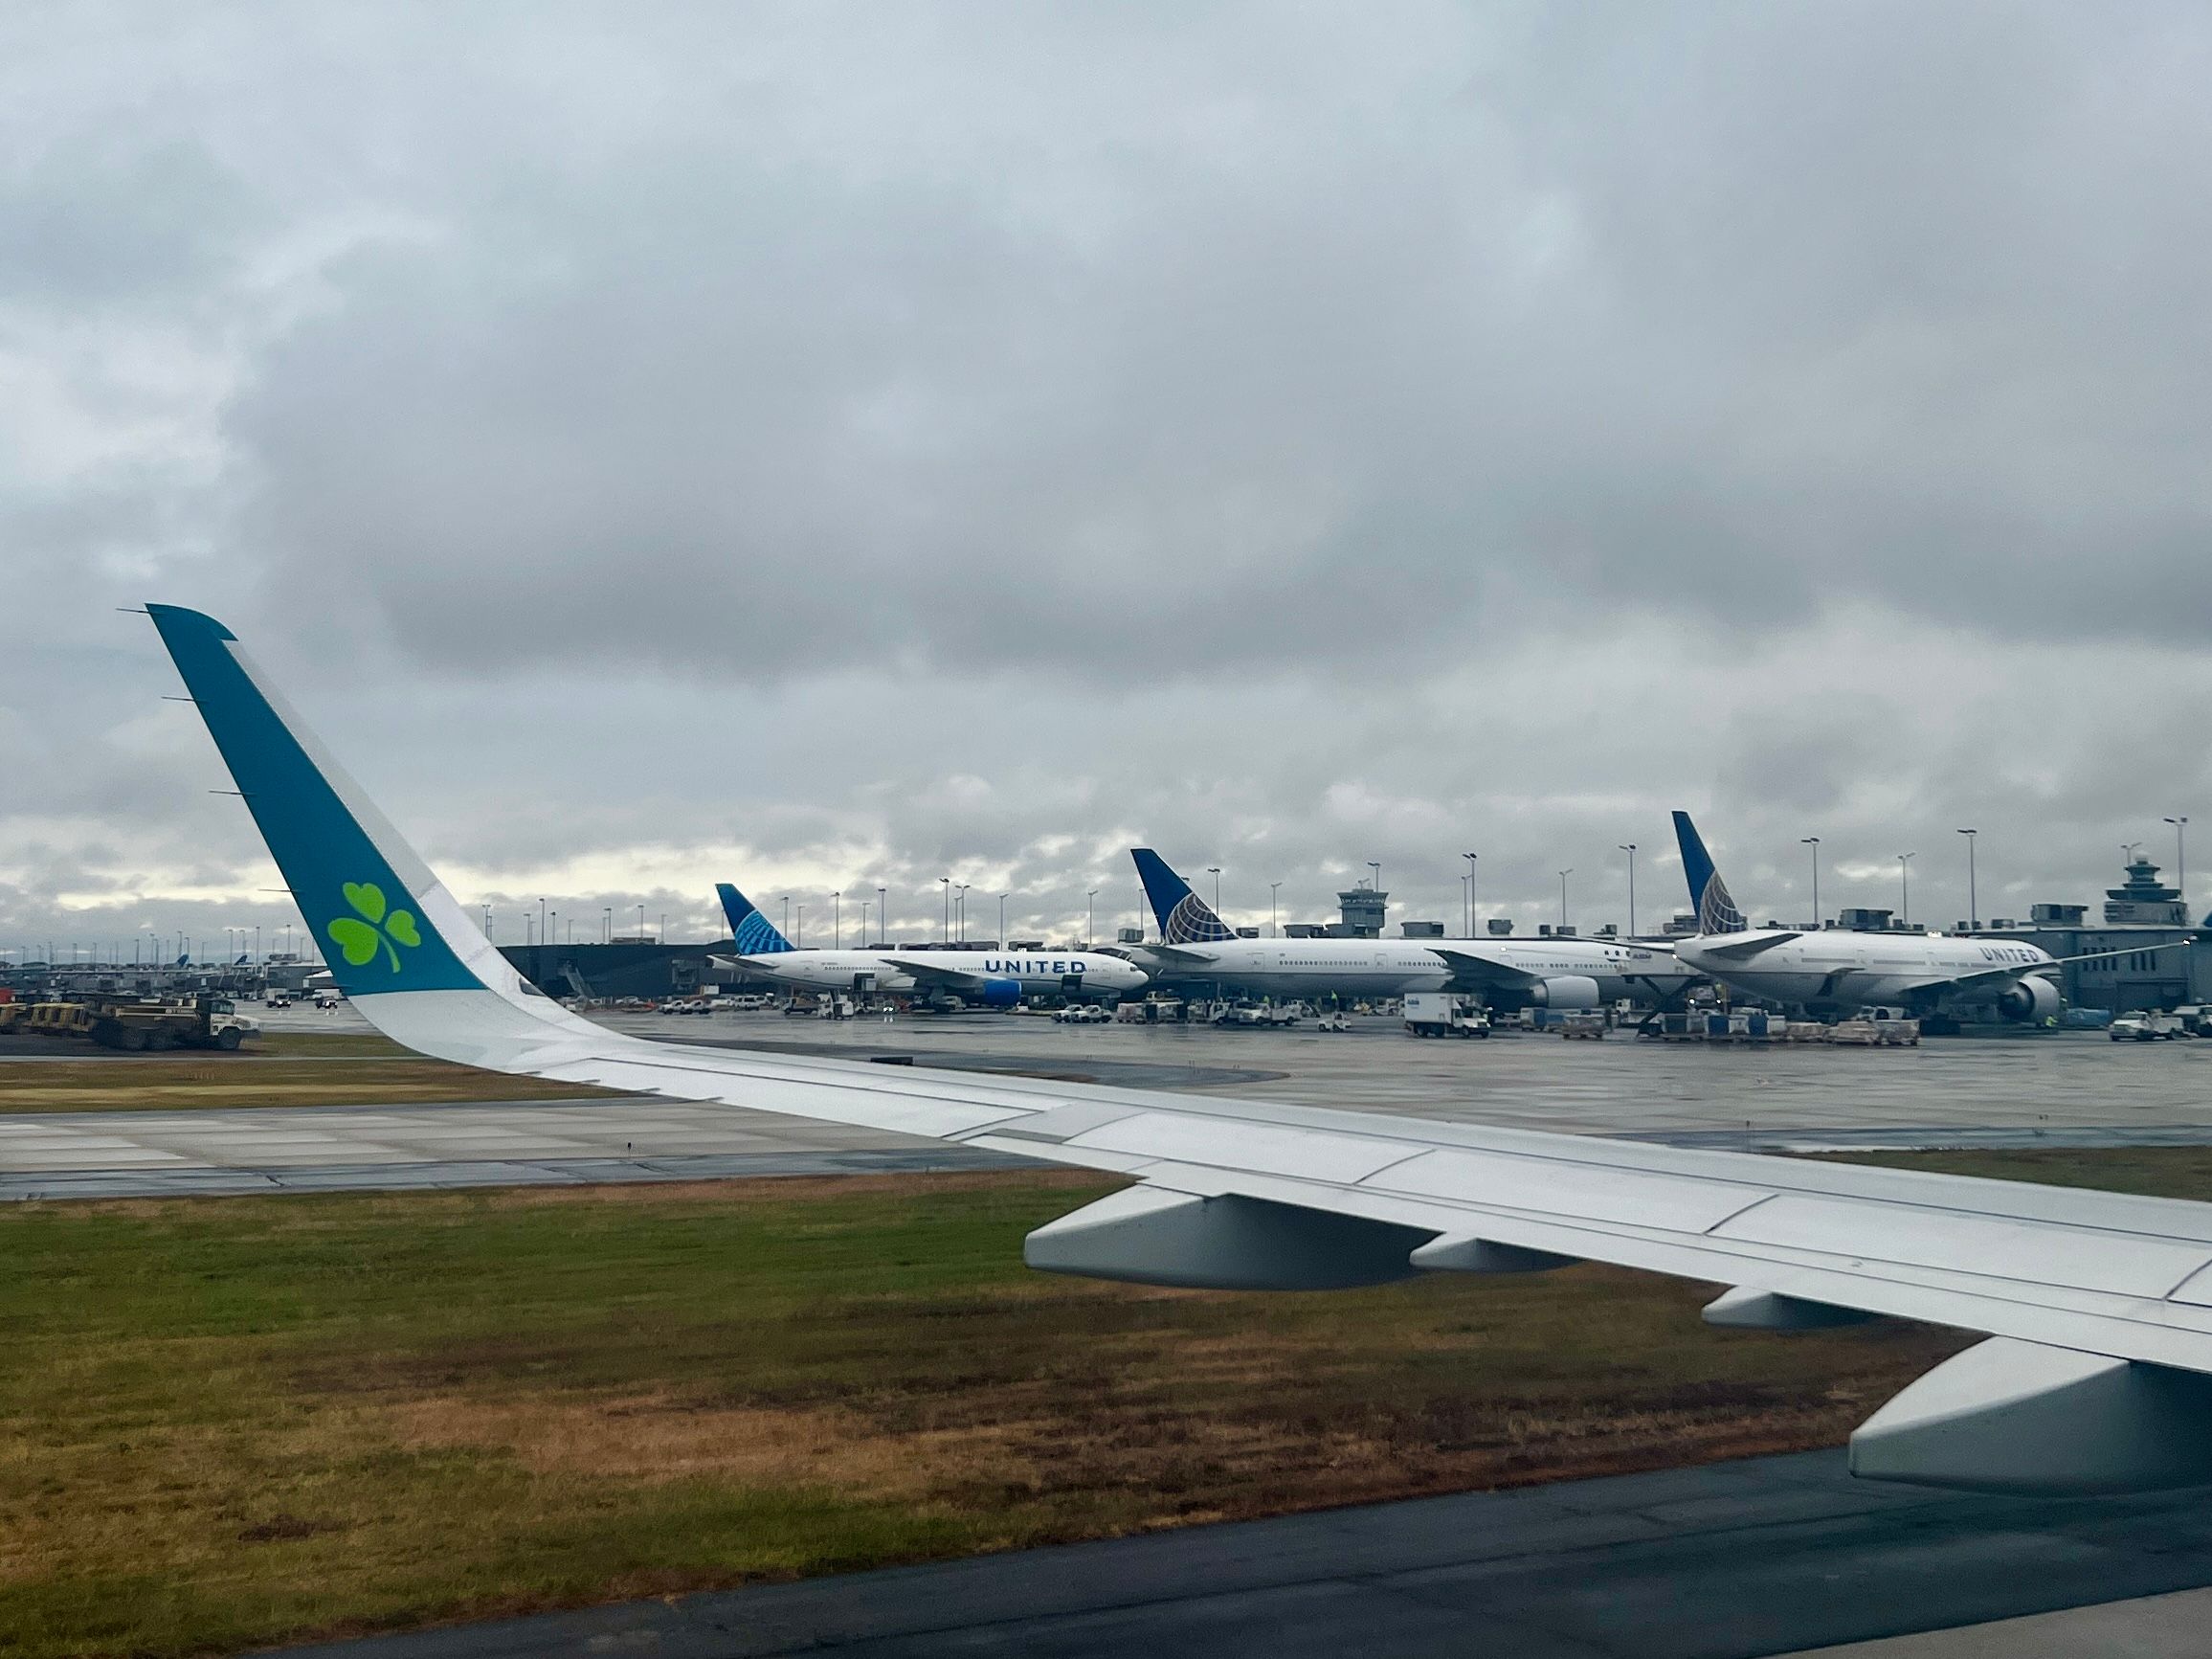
234,1423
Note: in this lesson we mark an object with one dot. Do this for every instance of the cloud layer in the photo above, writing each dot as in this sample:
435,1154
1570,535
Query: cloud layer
839,448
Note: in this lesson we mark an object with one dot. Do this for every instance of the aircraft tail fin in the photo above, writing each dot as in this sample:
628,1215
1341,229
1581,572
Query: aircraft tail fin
1709,895
1184,918
755,934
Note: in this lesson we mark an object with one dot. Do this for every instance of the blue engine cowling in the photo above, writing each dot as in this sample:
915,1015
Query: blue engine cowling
1001,992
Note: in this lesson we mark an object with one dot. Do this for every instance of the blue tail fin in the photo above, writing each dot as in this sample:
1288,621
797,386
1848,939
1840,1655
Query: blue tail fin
1184,918
385,922
755,934
1709,894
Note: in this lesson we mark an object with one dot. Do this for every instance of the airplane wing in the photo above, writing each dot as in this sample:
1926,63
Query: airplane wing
1471,969
1990,976
2097,1373
935,978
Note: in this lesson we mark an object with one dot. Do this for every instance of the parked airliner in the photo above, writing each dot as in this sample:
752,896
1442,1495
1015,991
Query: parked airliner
942,978
1836,970
1196,945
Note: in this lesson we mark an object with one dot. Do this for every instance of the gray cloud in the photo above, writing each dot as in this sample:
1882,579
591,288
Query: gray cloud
849,447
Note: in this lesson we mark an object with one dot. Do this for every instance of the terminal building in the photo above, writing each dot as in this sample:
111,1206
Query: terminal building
2138,917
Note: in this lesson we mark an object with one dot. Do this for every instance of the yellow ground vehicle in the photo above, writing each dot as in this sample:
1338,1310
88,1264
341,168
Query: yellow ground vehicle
207,1021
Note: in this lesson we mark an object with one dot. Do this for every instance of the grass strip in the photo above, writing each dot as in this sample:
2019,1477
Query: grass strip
285,1069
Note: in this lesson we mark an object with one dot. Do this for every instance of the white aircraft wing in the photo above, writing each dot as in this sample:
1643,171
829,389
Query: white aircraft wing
1990,976
2098,1306
933,976
1472,968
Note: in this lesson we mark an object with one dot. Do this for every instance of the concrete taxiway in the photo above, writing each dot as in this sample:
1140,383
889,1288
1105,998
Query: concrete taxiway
1770,1555
2036,1089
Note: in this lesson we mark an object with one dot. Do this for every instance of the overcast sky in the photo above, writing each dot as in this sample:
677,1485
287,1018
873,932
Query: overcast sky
831,448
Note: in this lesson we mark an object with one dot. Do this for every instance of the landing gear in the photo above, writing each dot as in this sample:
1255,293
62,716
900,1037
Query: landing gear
1938,1025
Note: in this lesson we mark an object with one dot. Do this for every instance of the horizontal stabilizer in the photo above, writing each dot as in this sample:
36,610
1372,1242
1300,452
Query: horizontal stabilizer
1741,947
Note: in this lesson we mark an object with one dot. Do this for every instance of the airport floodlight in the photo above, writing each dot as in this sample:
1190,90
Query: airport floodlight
1629,847
1274,920
1905,889
837,919
2181,860
1470,880
1563,875
1215,870
1814,841
1972,908
1090,918
1375,866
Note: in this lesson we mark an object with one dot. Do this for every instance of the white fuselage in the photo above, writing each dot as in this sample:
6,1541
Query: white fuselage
1845,969
1295,967
1039,972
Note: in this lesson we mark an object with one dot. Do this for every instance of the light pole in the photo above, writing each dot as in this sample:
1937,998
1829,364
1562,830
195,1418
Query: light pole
883,915
838,919
2181,863
1814,841
1563,875
1973,905
1002,897
960,909
1470,858
945,881
1090,918
787,915
1274,900
1629,847
1905,889
1215,870
607,922
799,939
1377,866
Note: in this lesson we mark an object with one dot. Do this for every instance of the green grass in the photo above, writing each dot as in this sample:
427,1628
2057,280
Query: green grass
234,1423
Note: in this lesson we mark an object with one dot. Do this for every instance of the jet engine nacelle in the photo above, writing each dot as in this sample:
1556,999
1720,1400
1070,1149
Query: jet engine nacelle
2029,1002
1565,991
1001,992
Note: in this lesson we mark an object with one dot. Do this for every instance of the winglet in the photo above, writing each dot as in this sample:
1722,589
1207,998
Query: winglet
755,934
1709,894
1184,918
385,922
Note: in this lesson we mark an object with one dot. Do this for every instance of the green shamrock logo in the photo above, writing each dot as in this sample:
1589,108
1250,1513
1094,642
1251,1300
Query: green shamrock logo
362,939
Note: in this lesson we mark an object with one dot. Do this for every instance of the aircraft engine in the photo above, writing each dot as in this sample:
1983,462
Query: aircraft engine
1565,991
2029,1002
1001,992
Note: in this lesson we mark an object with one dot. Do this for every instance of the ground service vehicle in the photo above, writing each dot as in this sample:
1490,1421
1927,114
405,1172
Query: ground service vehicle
1441,1014
2146,1027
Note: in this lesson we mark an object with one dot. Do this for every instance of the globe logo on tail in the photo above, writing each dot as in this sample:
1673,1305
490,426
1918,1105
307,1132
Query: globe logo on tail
1717,912
1193,923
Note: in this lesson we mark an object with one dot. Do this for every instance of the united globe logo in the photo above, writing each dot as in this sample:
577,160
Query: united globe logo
1192,923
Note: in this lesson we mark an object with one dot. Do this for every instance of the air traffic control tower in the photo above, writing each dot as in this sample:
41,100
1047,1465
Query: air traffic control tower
1363,910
